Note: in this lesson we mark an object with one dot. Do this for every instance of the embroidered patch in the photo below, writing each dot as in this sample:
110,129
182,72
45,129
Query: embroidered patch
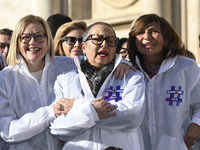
175,96
111,94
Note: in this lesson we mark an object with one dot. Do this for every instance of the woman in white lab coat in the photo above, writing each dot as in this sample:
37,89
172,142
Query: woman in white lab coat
106,111
172,85
26,86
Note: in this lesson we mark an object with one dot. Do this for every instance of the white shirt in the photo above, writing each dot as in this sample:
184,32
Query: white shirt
24,110
81,127
171,96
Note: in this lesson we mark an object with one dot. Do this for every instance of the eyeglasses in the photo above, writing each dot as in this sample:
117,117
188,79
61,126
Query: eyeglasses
123,52
70,40
4,45
38,37
98,40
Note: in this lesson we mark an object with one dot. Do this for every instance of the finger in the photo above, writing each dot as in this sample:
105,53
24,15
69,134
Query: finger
186,138
189,142
57,102
54,106
111,114
99,99
122,72
107,104
63,103
60,107
127,71
63,100
57,112
113,107
116,73
189,145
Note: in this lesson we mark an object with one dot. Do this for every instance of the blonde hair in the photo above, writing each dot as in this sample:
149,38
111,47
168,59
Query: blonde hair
62,31
12,58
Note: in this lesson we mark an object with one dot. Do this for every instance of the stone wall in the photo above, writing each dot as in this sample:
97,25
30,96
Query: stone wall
184,15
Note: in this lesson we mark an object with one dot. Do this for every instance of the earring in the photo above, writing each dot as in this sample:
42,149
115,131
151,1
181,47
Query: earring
84,56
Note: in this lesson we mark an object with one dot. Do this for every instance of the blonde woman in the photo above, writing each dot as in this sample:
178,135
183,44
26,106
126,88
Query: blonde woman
68,39
26,86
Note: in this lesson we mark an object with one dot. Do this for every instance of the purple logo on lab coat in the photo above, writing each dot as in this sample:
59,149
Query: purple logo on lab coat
113,94
175,96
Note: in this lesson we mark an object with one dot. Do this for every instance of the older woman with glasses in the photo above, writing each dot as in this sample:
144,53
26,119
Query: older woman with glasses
26,85
68,39
106,111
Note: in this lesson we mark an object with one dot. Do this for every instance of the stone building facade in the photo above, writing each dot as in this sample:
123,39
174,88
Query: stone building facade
184,15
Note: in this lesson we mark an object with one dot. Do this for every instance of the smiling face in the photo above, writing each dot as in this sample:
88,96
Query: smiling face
99,55
33,52
149,41
73,50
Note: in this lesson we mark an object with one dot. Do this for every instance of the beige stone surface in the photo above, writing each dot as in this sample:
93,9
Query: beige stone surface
12,10
184,15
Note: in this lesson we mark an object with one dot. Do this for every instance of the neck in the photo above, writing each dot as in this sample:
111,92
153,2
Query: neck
35,66
152,61
151,65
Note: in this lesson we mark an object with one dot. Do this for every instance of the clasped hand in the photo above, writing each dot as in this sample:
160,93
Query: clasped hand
104,108
63,106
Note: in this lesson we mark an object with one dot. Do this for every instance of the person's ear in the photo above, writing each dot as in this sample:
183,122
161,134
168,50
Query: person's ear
83,46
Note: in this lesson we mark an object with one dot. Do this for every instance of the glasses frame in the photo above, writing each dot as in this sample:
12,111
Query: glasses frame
124,53
65,39
5,45
32,36
90,38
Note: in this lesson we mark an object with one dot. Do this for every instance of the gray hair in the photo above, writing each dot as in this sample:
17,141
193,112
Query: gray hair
86,33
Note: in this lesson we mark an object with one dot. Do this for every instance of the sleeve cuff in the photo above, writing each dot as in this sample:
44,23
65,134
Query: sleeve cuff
52,115
87,108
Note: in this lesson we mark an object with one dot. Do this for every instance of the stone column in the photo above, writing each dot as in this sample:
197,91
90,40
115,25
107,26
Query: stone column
160,7
80,9
152,6
193,26
43,8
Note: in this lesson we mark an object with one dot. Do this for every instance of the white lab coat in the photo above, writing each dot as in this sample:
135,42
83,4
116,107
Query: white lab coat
24,110
81,127
171,96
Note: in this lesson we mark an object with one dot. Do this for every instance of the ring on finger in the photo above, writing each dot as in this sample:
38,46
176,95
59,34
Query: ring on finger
61,107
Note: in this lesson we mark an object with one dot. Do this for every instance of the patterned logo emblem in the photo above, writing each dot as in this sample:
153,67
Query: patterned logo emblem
113,94
175,96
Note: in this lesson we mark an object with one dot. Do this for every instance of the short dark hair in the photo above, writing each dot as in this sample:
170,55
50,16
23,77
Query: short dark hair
113,148
120,43
56,20
86,33
6,31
